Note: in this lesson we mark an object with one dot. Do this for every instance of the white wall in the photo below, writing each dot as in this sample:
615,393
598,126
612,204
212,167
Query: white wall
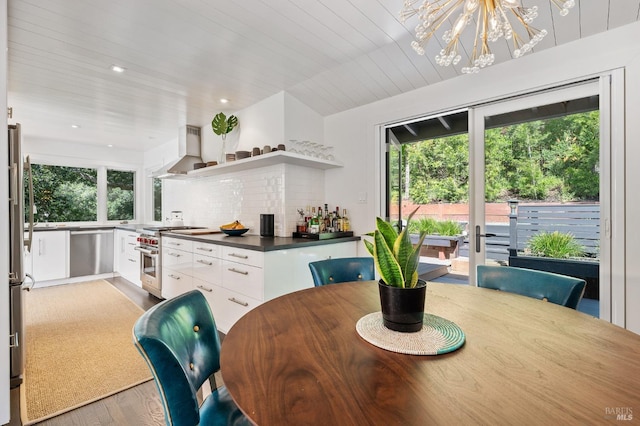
301,122
357,145
78,154
632,195
216,200
272,121
243,196
4,219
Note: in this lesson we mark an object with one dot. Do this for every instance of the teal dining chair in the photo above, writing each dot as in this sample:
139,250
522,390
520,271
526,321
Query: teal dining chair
179,340
555,288
339,270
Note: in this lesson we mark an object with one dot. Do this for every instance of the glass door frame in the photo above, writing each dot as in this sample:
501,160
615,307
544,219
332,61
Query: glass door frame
611,92
477,115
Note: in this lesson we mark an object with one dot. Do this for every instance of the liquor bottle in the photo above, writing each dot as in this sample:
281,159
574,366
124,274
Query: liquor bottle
320,219
337,221
313,222
346,225
327,219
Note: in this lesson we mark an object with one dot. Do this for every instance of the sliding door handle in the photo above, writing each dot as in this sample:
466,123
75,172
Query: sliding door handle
479,235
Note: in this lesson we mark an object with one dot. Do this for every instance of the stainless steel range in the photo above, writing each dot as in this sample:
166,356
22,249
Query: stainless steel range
150,248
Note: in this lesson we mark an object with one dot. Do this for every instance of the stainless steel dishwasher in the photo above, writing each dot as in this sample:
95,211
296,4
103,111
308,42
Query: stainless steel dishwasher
91,252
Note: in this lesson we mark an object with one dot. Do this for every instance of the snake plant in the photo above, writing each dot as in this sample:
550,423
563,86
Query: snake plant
396,259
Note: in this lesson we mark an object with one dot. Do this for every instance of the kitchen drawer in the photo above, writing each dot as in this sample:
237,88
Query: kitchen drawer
130,268
227,306
247,257
175,283
244,279
177,260
131,241
206,249
207,268
177,243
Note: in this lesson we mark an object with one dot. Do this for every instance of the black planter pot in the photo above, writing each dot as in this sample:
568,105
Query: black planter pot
585,269
403,308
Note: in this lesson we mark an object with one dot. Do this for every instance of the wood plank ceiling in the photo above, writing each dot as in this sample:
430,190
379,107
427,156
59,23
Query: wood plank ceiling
182,56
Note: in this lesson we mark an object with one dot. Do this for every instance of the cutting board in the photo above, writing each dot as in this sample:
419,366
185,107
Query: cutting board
197,231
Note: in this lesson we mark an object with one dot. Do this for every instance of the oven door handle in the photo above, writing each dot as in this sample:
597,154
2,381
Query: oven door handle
146,251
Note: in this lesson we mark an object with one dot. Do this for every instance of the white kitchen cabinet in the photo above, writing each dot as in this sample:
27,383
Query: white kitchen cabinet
175,283
236,280
177,259
207,263
288,270
126,258
242,272
49,255
227,306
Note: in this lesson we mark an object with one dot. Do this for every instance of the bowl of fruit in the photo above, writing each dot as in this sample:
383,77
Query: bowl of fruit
234,229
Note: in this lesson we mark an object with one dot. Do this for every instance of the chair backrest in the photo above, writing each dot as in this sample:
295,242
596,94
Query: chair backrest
179,340
341,270
556,288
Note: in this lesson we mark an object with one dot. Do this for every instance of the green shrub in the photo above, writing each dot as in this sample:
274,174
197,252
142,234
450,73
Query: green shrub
556,244
431,226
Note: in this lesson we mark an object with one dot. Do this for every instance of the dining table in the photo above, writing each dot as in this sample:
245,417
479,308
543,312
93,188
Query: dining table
299,360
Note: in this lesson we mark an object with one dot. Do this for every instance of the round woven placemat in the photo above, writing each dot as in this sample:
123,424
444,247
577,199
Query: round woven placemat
437,336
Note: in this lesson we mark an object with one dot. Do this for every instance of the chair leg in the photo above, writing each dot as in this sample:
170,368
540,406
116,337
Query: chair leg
212,382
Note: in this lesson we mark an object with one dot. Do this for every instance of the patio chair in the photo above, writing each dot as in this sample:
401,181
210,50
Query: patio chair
340,270
555,288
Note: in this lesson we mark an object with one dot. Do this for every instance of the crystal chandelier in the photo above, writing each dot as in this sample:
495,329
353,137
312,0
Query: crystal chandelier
493,19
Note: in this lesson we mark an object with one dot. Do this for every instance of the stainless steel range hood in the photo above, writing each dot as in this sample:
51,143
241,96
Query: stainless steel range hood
188,154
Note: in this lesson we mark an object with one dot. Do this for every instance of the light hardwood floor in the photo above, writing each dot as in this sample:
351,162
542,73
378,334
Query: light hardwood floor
139,405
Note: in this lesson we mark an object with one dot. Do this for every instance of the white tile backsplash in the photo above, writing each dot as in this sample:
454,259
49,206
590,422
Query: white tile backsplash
215,200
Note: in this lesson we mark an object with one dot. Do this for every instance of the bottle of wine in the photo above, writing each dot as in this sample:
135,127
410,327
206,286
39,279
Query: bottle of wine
346,225
327,219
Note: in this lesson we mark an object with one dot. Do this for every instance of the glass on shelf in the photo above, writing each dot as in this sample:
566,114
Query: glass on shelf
294,146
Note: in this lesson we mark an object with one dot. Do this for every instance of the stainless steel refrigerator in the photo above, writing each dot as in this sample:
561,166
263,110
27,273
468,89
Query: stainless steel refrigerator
19,280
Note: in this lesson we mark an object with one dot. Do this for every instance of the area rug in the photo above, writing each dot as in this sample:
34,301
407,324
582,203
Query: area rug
78,347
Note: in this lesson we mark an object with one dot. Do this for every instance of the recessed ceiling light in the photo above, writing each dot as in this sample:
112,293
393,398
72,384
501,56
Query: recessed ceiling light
224,101
75,126
117,68
110,146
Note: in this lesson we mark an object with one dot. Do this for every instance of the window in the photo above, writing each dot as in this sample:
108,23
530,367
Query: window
120,195
81,194
65,194
157,199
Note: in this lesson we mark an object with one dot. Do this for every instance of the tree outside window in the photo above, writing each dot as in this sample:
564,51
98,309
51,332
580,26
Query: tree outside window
70,194
65,194
120,195
157,199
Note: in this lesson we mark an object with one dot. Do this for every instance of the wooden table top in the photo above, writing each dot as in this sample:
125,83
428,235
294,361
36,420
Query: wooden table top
298,360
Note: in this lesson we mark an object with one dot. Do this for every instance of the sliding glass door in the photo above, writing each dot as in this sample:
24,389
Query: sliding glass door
538,187
513,176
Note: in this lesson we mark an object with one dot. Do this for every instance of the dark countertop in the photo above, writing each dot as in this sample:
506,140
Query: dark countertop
258,243
59,227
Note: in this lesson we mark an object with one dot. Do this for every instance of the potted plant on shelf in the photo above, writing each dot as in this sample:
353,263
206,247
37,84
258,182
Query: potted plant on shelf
221,125
402,294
